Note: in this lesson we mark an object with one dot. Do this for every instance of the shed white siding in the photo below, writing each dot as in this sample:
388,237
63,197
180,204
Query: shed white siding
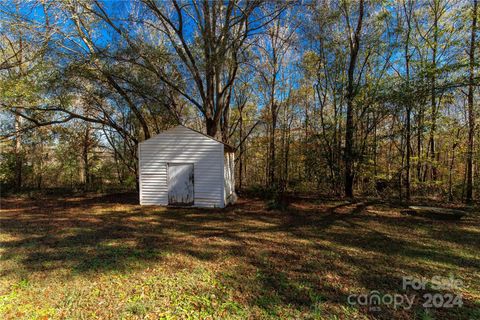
182,145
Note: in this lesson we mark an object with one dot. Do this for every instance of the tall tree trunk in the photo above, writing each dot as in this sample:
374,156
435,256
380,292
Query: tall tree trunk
402,165
284,144
18,154
118,169
287,154
349,130
450,170
408,156
39,162
408,15
375,154
242,148
136,170
225,124
433,93
471,111
86,163
271,166
349,174
273,126
212,126
419,141
18,125
306,123
338,143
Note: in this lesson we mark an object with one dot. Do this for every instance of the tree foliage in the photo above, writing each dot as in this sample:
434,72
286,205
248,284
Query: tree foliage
340,97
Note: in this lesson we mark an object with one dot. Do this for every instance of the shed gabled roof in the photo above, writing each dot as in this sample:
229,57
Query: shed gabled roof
227,147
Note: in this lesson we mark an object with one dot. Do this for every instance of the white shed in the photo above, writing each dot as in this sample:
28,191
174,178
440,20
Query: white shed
184,167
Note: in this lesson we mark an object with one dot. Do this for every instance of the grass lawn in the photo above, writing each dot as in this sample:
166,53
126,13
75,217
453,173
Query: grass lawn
106,257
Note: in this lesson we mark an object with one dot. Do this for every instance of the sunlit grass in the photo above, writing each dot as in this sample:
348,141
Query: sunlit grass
92,258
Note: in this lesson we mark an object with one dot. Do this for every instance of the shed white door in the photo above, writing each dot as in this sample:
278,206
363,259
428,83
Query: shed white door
180,184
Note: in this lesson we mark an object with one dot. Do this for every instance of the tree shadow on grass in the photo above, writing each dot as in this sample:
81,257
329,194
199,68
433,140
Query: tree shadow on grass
380,249
301,259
